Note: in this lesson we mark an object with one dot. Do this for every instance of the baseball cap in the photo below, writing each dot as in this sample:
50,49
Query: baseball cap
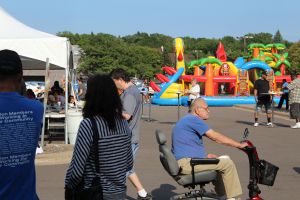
10,63
264,73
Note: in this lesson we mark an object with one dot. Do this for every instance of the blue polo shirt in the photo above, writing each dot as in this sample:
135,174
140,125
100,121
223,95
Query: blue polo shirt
187,137
285,90
20,127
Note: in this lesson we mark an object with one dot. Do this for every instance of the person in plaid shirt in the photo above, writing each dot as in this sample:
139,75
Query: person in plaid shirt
294,99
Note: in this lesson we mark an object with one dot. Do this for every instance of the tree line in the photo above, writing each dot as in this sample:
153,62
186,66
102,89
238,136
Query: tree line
144,54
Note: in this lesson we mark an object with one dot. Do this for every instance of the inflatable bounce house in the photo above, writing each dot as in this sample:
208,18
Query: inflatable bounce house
222,83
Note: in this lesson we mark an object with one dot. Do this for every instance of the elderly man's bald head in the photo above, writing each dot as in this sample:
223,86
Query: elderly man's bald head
199,102
199,108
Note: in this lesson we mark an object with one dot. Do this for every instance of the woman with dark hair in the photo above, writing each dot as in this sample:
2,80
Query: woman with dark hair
114,145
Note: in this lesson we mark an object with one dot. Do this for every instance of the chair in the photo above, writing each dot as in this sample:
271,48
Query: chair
188,181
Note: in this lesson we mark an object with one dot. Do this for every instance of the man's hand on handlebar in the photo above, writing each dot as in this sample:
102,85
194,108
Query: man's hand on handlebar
210,155
243,145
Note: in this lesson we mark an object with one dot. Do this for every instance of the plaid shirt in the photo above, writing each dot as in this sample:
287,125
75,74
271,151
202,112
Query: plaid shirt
294,91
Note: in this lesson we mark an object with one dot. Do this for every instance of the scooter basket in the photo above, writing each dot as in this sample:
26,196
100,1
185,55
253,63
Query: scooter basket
267,173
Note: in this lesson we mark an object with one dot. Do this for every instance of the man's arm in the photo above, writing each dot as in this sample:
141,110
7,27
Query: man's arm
194,93
255,94
129,104
126,116
222,139
80,91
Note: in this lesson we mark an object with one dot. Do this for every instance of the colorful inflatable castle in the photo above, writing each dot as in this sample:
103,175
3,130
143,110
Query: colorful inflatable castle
222,83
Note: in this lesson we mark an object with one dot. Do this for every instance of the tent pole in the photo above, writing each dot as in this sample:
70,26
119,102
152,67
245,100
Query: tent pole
67,104
67,90
47,87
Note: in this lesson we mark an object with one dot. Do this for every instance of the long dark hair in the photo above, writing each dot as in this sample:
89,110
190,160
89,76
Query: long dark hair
102,99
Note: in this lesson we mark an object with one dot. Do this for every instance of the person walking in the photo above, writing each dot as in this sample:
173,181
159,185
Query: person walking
132,107
262,98
284,96
294,98
103,105
20,127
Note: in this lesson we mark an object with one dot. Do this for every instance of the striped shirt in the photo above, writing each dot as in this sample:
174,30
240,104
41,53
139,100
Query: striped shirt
294,91
115,156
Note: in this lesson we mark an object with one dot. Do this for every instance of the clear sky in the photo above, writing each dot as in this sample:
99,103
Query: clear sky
194,18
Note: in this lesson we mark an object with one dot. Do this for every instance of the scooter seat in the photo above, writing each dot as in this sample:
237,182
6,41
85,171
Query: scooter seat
200,178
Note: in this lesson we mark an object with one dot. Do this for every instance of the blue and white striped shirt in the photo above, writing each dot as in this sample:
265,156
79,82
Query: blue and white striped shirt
115,156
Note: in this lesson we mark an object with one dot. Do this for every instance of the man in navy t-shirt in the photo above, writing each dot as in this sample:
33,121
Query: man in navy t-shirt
20,126
187,143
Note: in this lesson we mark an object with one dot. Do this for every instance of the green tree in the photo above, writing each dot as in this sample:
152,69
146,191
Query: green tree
263,38
141,53
103,52
232,47
166,59
294,58
277,37
155,40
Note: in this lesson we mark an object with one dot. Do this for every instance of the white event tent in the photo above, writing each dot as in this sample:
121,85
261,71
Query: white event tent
35,47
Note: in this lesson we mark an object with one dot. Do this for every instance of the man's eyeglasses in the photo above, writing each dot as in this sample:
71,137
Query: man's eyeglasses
205,108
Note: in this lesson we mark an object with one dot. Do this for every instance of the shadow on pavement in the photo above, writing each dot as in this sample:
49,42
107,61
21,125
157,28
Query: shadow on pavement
146,119
167,123
297,169
262,124
165,191
244,122
129,198
282,125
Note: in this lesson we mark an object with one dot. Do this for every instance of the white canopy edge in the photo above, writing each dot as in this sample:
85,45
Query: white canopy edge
32,43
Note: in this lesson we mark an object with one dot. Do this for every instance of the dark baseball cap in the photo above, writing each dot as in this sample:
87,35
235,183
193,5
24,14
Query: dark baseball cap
10,63
264,73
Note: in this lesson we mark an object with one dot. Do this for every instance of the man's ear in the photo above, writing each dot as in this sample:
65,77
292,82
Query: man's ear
196,109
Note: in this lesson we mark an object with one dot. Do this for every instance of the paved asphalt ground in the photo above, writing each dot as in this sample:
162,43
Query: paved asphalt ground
278,145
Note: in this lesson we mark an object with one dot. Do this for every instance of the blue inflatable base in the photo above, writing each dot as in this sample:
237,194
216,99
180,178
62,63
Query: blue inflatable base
211,101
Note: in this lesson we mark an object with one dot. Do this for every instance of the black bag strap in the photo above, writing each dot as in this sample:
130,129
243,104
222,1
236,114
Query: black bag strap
95,144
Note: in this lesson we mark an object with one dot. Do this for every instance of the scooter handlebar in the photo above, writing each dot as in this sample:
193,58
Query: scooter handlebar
248,142
247,148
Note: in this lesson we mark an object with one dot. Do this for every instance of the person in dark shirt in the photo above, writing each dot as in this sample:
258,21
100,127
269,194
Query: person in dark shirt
30,94
56,87
261,87
284,95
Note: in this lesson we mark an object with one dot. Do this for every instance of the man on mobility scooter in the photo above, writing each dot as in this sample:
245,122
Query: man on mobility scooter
190,165
187,144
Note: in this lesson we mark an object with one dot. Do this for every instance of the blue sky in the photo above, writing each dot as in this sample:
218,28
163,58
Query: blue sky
194,18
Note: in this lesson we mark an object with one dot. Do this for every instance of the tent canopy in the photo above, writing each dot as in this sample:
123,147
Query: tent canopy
32,45
35,47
